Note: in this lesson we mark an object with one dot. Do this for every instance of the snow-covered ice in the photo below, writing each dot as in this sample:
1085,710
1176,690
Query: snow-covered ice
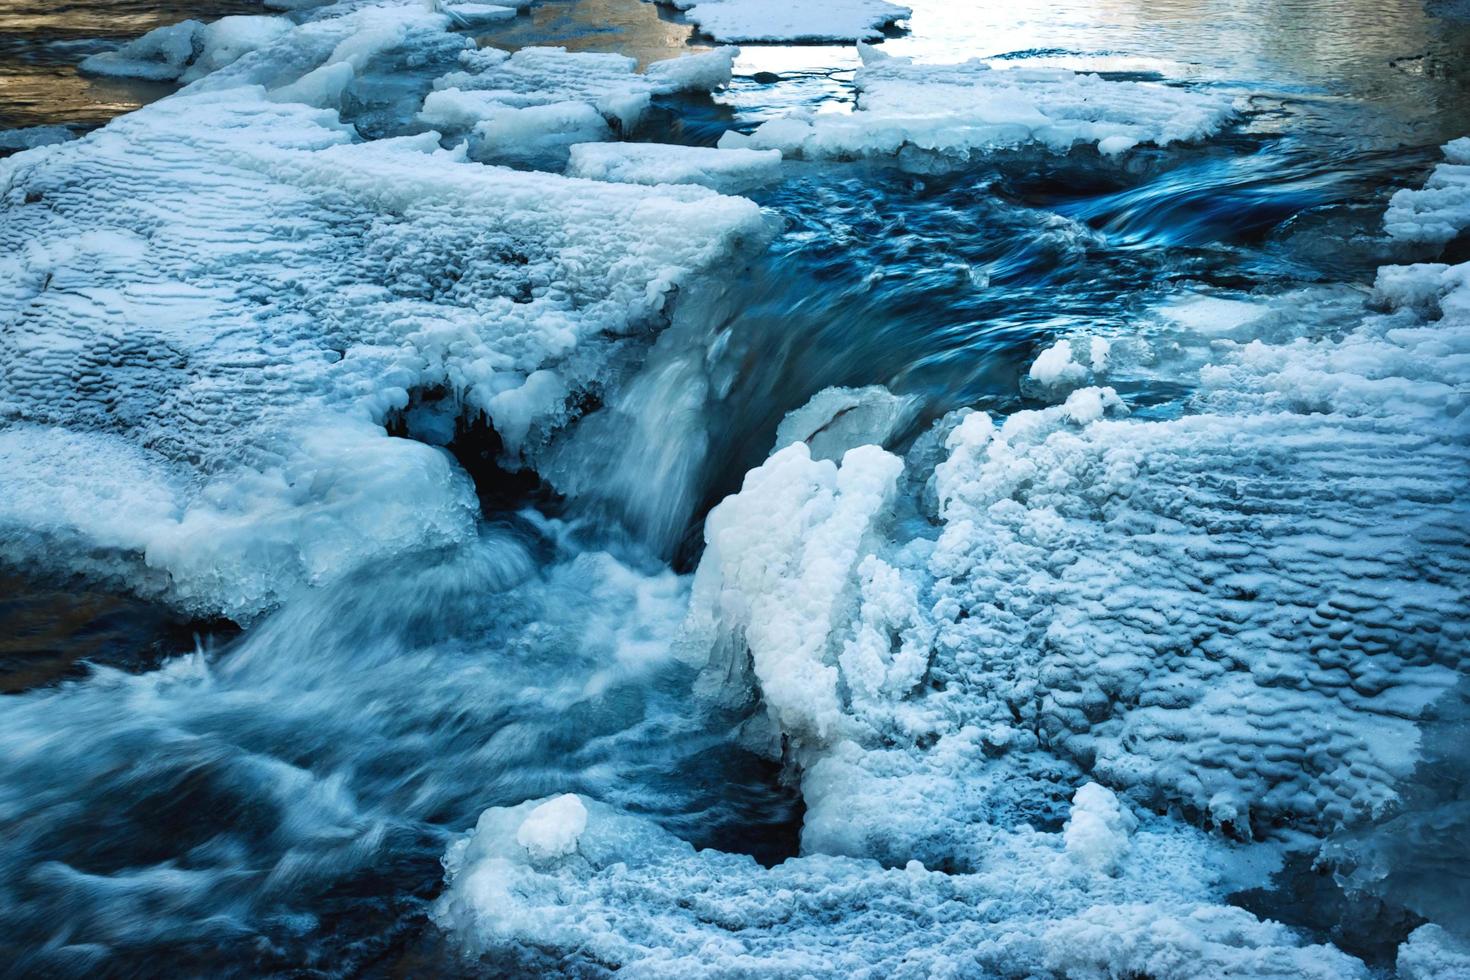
957,111
800,22
188,50
1440,210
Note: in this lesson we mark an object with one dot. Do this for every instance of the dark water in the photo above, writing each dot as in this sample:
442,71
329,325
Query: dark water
41,43
299,782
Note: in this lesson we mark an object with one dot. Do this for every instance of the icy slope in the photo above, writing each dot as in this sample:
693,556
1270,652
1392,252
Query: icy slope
955,111
220,300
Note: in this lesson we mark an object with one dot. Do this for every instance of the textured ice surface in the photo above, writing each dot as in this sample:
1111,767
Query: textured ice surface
662,163
959,110
227,293
796,21
635,899
1440,210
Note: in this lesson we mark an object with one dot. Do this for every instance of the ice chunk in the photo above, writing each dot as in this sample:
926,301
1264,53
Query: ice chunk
188,50
537,133
1068,363
702,72
539,76
552,829
839,419
799,22
1440,210
956,111
474,14
663,163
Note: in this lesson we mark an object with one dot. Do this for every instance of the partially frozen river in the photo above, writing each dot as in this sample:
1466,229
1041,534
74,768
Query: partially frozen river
544,492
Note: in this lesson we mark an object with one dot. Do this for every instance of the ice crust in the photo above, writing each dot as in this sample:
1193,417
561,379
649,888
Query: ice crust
954,111
223,297
740,21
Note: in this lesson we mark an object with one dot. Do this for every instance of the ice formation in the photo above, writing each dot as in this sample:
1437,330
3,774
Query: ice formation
1440,210
220,299
959,110
660,163
740,21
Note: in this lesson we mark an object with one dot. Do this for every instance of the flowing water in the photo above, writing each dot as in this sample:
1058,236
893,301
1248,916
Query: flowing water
278,801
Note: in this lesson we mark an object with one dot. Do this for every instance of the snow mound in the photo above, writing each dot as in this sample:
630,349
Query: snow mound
223,298
956,111
739,21
664,163
1440,210
635,899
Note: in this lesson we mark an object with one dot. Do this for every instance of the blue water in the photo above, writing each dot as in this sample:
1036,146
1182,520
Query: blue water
276,802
